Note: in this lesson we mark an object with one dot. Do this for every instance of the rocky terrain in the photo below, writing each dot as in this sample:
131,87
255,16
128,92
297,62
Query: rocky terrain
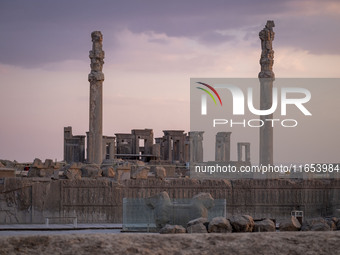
226,243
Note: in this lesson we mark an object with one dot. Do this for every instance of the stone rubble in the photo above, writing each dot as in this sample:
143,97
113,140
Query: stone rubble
315,224
291,224
91,171
242,223
245,223
198,225
219,225
172,229
141,173
265,225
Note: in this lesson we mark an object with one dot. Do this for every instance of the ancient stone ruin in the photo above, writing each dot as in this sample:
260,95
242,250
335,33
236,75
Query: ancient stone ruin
96,78
266,77
166,212
173,148
93,181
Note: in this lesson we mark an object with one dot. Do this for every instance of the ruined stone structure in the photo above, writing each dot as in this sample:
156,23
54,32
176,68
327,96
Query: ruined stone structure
173,145
266,77
74,146
137,145
48,169
246,147
222,146
96,78
109,147
143,139
156,150
196,146
124,143
28,200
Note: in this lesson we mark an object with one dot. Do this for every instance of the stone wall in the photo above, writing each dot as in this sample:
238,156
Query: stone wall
30,200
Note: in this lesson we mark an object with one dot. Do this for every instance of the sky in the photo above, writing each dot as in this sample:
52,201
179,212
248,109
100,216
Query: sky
152,49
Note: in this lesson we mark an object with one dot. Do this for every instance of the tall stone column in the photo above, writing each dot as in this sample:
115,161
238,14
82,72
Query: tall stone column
96,78
267,78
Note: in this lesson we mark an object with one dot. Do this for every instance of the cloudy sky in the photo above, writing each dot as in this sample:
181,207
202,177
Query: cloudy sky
152,49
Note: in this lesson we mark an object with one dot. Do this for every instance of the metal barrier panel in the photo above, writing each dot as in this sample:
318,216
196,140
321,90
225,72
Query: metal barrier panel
137,216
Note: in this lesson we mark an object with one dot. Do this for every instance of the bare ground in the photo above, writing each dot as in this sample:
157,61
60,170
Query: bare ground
306,243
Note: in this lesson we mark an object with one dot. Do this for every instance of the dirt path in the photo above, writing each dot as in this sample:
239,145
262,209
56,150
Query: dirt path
234,243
